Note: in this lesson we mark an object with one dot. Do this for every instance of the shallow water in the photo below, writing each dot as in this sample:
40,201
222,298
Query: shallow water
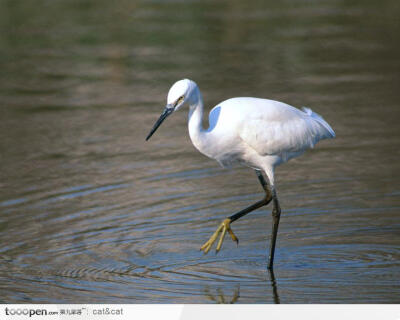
89,212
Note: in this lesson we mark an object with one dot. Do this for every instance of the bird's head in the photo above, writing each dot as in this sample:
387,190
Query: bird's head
181,92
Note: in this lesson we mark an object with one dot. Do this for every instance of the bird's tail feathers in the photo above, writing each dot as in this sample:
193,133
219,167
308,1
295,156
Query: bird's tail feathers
320,120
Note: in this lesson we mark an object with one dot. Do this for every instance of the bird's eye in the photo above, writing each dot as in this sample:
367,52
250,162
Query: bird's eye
180,99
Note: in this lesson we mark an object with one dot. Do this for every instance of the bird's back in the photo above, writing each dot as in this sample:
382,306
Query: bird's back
271,127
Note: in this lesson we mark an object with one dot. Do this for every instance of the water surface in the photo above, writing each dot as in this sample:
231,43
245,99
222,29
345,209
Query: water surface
90,212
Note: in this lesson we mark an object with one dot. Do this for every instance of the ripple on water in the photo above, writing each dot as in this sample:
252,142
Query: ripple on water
90,212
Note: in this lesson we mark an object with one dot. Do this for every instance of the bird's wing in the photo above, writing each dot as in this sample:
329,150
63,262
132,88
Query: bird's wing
290,130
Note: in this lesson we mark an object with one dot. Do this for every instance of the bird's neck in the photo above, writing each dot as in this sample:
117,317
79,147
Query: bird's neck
196,131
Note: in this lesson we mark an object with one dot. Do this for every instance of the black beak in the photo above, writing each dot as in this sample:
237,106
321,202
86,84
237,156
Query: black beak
167,111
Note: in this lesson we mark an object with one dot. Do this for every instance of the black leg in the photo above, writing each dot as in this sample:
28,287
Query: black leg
276,214
267,199
225,225
270,194
274,286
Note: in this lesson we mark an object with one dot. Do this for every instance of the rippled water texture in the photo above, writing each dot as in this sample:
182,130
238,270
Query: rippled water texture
90,212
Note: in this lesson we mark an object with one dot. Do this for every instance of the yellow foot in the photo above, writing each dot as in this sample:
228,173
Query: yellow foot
223,228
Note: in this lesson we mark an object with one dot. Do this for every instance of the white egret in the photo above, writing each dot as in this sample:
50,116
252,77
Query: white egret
258,133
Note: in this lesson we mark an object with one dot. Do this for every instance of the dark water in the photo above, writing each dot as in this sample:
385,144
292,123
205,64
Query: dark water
89,212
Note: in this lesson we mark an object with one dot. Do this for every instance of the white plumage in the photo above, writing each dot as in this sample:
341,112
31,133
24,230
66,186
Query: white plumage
258,133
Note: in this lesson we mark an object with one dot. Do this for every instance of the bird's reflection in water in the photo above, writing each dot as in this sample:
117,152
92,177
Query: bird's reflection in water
220,298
